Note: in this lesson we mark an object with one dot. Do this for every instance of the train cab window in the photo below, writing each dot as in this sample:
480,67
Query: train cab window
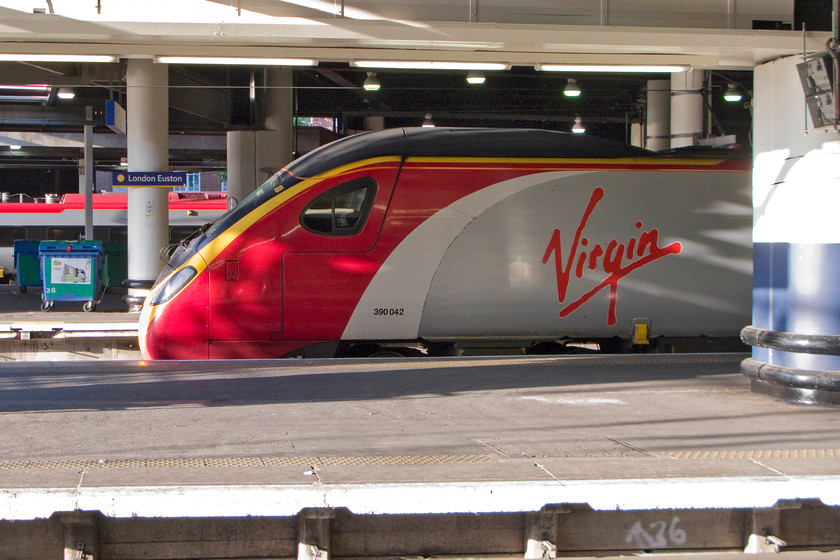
177,233
342,210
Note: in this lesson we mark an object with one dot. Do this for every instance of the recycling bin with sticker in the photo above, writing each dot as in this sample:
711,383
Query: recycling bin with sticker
71,271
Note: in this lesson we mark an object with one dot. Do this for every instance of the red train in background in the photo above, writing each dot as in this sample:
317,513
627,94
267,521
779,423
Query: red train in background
439,241
55,217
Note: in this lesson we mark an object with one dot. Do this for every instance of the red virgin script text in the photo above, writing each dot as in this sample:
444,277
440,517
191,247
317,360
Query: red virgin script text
617,260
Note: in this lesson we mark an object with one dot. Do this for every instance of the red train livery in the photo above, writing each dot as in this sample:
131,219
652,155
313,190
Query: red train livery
437,240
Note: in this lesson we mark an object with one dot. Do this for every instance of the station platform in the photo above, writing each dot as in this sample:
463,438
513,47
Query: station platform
534,457
67,332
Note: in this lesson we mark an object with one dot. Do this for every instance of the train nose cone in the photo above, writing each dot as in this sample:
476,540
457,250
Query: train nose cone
174,321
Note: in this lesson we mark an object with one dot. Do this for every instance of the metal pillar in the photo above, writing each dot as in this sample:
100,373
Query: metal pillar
658,115
686,108
88,173
795,330
147,100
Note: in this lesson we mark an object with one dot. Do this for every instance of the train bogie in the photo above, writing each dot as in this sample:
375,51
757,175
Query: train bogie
412,241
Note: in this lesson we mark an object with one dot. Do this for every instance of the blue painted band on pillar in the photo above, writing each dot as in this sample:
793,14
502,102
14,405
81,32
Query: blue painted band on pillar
795,333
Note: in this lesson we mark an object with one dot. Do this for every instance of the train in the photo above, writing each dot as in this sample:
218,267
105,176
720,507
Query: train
62,217
442,241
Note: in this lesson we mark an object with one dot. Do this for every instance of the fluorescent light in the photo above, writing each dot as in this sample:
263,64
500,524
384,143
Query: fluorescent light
7,57
732,94
642,69
371,83
38,93
429,65
65,93
475,77
43,88
236,60
572,89
578,127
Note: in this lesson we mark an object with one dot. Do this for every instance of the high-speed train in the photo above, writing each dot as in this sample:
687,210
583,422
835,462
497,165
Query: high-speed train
63,217
437,240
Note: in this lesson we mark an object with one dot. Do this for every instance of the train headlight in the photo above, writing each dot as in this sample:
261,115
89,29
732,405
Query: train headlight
173,285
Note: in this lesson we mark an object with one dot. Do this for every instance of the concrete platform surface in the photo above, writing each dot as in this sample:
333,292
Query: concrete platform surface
234,438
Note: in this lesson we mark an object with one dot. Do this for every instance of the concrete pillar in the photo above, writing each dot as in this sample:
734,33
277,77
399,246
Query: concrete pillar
658,111
314,534
764,531
255,155
686,108
241,165
795,330
374,122
80,534
147,112
636,134
541,537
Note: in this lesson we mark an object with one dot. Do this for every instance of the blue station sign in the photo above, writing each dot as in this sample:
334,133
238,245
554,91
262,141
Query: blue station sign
149,178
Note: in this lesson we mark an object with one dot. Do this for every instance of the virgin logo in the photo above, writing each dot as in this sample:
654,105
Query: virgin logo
617,260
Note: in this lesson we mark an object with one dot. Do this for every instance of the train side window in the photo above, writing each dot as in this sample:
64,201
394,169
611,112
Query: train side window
342,210
63,233
118,234
9,234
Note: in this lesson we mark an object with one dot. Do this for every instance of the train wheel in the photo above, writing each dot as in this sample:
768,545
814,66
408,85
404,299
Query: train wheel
89,306
47,305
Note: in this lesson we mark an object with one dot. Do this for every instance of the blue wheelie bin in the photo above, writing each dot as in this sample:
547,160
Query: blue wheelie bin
71,271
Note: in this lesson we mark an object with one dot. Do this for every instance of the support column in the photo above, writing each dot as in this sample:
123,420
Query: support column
795,330
88,173
658,119
686,108
241,165
541,537
314,534
255,155
80,535
147,112
374,122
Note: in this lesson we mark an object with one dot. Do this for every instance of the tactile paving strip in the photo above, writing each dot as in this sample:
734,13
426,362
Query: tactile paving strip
234,462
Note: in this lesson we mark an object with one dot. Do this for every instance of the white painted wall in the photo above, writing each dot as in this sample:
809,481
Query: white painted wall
796,175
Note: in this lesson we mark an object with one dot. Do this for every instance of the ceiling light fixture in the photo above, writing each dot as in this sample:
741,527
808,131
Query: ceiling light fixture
372,83
14,57
65,93
24,93
732,94
572,89
475,77
236,60
429,65
642,69
578,127
15,146
428,122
